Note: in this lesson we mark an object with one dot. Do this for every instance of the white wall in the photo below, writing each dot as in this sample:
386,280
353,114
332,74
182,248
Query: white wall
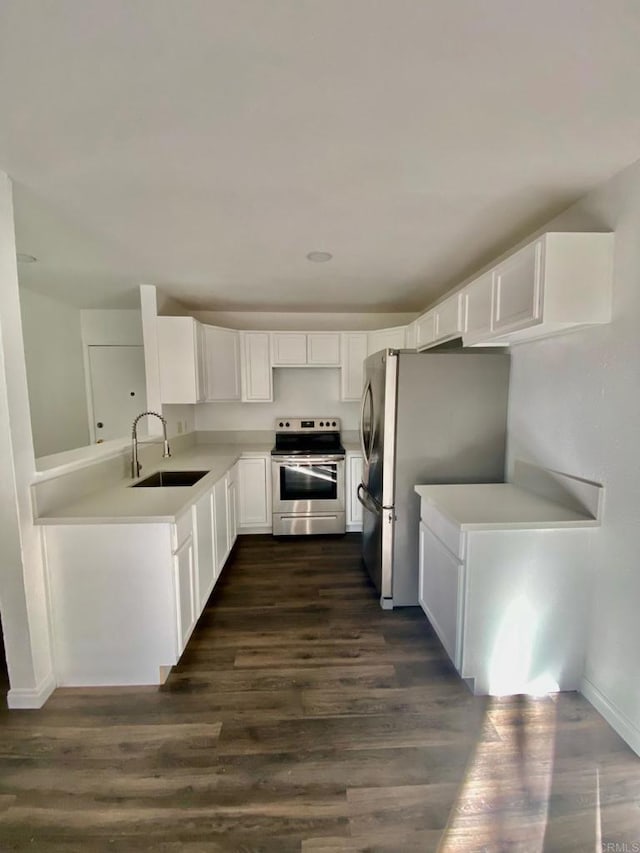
310,391
111,327
575,406
55,373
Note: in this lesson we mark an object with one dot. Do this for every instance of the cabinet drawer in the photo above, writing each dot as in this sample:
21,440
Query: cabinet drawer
447,532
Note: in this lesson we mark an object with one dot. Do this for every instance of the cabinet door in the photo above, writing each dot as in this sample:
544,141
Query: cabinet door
411,337
448,317
201,363
354,478
354,352
177,360
425,330
204,549
254,491
387,339
256,368
220,513
288,348
222,349
184,585
478,307
323,349
441,592
232,528
518,290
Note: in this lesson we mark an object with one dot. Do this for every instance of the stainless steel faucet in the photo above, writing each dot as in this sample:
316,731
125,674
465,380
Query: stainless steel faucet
136,467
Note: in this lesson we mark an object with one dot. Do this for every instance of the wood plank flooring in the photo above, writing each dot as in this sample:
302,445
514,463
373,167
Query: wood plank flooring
304,719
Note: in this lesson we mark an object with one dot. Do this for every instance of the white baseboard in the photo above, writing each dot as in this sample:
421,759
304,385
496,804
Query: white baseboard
627,730
252,530
354,527
28,697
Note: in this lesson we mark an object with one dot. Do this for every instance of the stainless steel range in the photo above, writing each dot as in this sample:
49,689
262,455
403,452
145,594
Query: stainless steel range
307,466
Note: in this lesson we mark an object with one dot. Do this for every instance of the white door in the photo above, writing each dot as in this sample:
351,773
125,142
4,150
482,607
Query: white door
118,390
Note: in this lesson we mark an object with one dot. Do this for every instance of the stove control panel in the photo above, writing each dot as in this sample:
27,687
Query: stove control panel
319,424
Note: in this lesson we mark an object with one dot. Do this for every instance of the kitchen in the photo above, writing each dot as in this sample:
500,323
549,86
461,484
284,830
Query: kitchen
572,409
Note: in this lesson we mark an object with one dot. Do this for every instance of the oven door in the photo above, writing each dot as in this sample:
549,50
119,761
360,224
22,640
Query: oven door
308,484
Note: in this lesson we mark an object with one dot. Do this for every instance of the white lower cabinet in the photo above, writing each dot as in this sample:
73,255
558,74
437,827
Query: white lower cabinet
441,592
509,606
203,522
254,491
185,590
353,479
232,524
124,614
221,524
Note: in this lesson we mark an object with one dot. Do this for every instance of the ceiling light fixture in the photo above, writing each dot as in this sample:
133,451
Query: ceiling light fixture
319,257
25,259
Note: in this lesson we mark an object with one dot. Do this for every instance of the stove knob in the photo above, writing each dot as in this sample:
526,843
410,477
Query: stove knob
287,424
321,423
280,424
333,423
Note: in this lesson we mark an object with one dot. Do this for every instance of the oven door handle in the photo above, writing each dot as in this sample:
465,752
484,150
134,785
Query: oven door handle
368,501
315,460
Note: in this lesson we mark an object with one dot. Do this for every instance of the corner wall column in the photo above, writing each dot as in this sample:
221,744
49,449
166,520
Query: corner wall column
23,595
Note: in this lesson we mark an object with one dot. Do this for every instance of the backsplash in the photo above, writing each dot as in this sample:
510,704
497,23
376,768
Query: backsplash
297,392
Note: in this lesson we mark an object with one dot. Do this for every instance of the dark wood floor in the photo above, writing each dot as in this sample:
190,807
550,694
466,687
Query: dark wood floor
304,718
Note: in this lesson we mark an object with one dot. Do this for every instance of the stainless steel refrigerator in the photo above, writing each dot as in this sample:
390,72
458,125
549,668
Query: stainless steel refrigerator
432,417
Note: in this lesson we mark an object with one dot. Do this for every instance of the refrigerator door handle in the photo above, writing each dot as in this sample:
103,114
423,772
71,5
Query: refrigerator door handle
368,501
367,390
367,447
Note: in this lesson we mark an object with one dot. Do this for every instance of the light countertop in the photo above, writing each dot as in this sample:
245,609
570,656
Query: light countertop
501,506
120,504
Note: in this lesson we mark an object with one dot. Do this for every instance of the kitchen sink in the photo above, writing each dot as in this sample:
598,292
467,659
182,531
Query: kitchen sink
170,478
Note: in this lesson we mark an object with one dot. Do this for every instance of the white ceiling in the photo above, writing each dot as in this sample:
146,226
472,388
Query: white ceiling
207,145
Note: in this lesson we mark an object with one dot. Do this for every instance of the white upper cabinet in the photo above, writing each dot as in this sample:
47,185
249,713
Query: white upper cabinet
558,282
441,323
180,357
517,284
222,359
354,352
411,335
393,338
300,349
448,318
478,307
425,330
323,349
288,349
257,380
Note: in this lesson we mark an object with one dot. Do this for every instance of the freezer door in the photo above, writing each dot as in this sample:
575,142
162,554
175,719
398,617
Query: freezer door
371,537
377,545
